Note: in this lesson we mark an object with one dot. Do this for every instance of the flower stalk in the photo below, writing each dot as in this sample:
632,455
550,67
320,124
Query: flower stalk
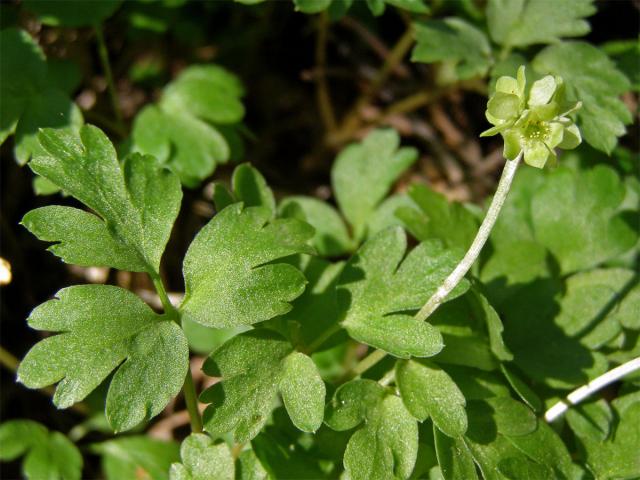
508,173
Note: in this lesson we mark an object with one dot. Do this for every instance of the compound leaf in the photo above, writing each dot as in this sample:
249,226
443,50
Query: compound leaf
48,455
364,172
250,188
194,125
253,368
137,202
427,391
576,216
453,40
379,285
202,460
386,445
519,23
617,457
450,223
104,328
591,77
331,238
208,92
598,303
454,457
315,311
190,147
29,101
230,275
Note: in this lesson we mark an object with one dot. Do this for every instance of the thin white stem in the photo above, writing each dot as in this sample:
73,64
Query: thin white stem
590,388
508,173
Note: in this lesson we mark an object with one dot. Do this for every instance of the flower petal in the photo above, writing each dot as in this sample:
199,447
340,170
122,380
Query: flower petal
554,137
507,85
522,80
571,137
503,105
512,143
536,154
542,90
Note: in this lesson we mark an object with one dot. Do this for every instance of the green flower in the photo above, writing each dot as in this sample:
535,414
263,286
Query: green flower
535,124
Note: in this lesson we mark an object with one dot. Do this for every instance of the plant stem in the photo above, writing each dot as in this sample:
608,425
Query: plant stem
188,388
323,337
191,399
8,360
389,377
510,168
106,67
590,388
322,89
164,298
504,185
367,362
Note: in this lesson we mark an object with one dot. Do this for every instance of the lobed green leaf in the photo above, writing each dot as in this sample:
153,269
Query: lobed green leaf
231,277
103,328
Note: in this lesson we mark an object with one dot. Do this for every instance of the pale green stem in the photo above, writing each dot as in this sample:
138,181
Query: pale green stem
106,67
188,388
508,173
369,361
191,400
389,377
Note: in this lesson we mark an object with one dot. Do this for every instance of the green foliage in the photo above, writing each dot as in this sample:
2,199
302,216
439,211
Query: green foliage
47,455
202,460
30,99
379,285
230,277
363,174
577,216
453,41
520,23
137,455
435,217
253,368
617,456
189,130
386,426
137,202
286,294
597,83
427,391
100,327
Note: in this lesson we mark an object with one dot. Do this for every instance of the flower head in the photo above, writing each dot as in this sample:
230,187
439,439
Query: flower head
534,124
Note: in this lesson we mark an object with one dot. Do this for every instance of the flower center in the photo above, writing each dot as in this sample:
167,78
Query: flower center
536,131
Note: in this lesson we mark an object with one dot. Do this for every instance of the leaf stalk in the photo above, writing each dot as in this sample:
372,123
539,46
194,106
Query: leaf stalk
188,388
191,400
